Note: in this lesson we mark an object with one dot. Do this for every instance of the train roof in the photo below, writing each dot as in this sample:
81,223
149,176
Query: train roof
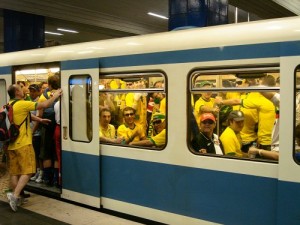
267,31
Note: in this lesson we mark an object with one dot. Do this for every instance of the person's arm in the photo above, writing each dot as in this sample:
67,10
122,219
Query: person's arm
40,120
236,101
111,140
264,153
48,102
142,143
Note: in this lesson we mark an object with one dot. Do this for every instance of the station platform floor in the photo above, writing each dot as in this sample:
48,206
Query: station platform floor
41,210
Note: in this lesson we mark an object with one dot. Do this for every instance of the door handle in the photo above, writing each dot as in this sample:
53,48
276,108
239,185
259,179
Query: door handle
65,136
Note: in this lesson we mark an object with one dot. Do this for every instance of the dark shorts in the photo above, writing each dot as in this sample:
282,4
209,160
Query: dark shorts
47,144
36,142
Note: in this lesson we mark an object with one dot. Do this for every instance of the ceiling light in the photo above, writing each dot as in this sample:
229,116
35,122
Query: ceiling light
157,15
67,30
53,33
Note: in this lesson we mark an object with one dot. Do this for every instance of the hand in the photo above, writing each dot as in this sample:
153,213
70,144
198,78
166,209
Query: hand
57,93
45,121
119,140
202,150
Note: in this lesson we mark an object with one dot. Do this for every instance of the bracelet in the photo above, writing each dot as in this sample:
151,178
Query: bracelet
259,152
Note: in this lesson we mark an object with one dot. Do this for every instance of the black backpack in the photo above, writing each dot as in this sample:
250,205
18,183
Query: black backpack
9,131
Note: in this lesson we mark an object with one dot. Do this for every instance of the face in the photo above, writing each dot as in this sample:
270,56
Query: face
207,126
129,116
19,92
237,126
33,93
105,118
206,95
159,125
44,86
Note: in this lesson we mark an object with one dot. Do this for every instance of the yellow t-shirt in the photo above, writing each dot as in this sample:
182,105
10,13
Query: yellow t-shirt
199,103
266,115
22,109
127,133
232,142
160,139
110,132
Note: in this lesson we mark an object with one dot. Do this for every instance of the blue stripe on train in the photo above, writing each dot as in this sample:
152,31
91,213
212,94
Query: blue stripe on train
250,51
81,173
5,70
214,196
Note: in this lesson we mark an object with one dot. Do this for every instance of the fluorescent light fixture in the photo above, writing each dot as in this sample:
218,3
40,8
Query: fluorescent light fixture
53,33
67,30
157,15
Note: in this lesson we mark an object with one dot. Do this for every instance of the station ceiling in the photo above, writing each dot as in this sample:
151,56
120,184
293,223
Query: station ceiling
105,19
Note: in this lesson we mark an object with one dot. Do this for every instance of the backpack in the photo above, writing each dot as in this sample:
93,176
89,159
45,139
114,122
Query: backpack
9,131
49,112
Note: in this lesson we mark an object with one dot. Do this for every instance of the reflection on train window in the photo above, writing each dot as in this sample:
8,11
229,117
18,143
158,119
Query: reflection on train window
297,116
80,91
133,109
3,92
232,113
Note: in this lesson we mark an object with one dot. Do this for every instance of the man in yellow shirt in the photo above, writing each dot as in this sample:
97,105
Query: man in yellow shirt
231,138
130,131
107,131
20,153
159,137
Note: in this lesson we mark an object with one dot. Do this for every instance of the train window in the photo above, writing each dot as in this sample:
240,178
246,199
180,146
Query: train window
231,115
136,106
3,92
80,105
297,116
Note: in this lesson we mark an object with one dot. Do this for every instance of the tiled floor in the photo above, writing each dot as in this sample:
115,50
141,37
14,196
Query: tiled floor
41,210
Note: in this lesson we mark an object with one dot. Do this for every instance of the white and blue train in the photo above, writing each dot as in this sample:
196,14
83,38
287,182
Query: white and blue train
174,185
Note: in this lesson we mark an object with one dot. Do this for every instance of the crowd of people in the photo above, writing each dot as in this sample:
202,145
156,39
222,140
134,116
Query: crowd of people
251,129
132,118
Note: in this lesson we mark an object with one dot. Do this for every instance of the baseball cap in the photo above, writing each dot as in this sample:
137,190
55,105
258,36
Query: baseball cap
236,115
200,84
159,116
207,116
34,87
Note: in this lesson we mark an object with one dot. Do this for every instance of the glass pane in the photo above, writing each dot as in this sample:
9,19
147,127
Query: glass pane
80,87
134,101
3,92
231,111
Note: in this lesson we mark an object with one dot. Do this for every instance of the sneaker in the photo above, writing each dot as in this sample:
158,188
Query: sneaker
36,175
40,178
13,202
9,195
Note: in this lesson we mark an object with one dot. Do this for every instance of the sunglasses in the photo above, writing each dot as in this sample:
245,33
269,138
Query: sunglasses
207,122
128,114
156,122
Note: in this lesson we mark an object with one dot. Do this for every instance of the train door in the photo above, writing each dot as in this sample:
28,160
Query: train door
80,132
289,161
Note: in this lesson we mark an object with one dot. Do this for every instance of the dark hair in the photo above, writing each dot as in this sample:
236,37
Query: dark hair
53,81
104,110
127,108
21,82
11,91
269,80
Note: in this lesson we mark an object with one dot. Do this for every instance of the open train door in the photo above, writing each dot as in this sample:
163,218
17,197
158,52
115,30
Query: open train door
80,131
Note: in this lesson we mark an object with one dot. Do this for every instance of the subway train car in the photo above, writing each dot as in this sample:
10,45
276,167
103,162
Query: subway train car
174,183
